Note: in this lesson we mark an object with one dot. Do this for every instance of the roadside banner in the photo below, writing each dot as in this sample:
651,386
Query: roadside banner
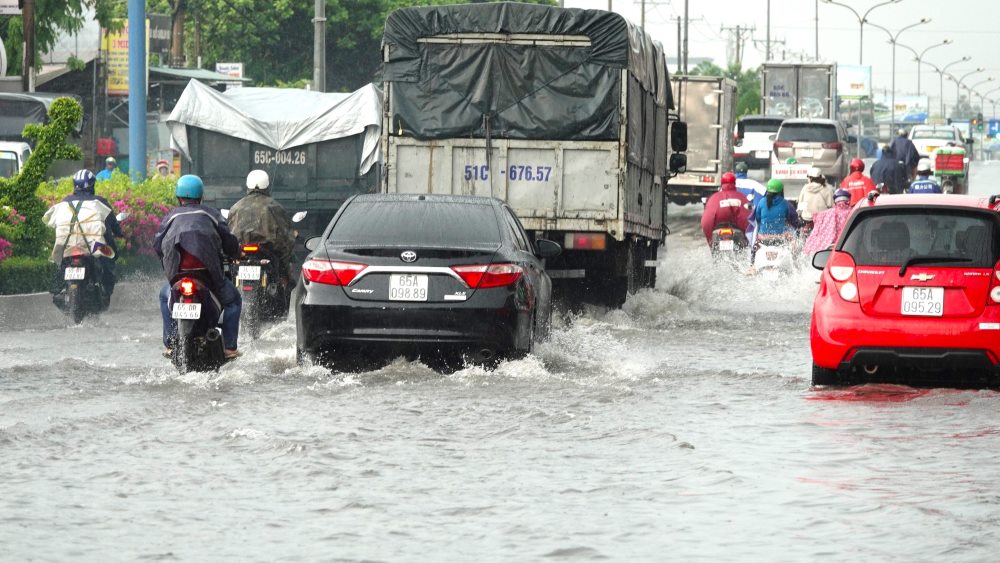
854,81
9,8
114,44
231,69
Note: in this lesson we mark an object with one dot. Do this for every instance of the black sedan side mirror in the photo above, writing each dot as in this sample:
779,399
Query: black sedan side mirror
313,243
547,249
821,258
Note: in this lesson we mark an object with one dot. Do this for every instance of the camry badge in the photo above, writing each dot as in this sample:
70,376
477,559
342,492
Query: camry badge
922,277
409,256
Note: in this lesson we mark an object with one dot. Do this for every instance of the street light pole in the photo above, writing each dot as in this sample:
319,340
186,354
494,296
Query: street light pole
894,39
862,19
920,58
958,85
944,71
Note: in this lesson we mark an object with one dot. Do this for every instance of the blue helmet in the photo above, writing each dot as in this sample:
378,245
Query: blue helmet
84,180
189,186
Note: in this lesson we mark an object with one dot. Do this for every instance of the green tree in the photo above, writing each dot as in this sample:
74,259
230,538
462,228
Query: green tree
50,145
52,17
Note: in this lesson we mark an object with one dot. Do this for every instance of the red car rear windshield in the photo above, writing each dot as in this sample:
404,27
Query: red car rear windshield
890,237
808,133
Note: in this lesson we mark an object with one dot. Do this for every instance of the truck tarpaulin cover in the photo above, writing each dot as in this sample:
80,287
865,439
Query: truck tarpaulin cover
280,118
523,91
20,109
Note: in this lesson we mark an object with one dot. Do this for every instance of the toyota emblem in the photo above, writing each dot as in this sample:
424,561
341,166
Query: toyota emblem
408,256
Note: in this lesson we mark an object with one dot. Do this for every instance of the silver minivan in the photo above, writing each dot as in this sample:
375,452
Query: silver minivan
823,143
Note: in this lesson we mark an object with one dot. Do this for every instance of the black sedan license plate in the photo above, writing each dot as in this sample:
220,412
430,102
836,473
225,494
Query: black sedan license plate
407,287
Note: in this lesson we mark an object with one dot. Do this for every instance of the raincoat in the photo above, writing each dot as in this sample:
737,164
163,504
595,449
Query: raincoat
79,223
725,206
201,232
827,226
859,185
890,171
257,218
925,185
815,197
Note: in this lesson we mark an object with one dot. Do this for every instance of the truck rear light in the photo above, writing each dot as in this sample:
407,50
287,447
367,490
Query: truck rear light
782,145
585,241
482,276
833,146
186,286
843,272
331,272
708,179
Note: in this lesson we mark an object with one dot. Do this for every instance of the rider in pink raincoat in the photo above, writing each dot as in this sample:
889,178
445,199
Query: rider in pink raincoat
828,224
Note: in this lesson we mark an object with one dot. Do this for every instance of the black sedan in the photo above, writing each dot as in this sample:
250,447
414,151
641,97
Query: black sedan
440,278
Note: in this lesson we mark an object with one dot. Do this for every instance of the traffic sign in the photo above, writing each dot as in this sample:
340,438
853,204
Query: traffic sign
994,126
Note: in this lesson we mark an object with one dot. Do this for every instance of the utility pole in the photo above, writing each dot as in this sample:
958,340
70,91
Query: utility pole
137,89
319,47
768,30
687,23
740,35
680,40
28,66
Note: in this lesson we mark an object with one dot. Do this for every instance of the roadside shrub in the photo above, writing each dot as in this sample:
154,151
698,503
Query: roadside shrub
25,274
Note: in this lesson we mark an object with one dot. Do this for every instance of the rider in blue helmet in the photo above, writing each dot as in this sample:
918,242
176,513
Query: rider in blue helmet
192,236
83,196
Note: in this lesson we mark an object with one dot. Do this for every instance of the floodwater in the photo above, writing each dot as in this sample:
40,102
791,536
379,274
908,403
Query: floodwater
682,427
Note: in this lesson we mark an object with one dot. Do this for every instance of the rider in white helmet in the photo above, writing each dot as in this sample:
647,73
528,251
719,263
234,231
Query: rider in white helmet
925,184
816,196
258,218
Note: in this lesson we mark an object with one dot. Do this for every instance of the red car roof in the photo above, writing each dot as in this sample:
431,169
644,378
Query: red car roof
946,200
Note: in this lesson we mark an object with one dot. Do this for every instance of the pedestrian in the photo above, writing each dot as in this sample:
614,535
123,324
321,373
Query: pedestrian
109,166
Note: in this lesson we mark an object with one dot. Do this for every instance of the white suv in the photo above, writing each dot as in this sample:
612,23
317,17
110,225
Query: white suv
754,140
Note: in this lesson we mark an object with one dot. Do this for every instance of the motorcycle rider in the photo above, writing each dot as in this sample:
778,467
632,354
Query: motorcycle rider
775,217
816,196
856,182
258,218
725,206
195,236
84,218
924,184
890,171
905,151
829,224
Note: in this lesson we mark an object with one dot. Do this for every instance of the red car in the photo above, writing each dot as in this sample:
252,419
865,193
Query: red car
910,294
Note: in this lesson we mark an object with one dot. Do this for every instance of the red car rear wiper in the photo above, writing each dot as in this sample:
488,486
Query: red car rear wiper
928,260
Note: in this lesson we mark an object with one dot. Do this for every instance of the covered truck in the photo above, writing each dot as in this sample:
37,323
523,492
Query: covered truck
318,148
562,113
708,105
799,90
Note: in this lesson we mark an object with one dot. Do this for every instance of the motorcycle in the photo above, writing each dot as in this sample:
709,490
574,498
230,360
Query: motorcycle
728,242
198,344
773,258
264,282
82,292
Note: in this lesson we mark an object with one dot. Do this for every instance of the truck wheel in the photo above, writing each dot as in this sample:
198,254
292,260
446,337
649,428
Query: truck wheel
824,376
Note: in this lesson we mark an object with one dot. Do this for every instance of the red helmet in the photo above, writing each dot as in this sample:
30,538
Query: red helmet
728,179
857,165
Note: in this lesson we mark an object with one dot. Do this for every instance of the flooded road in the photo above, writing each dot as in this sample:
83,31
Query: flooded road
680,427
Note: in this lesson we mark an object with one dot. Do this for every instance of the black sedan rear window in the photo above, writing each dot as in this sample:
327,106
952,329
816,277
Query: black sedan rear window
416,223
933,237
808,133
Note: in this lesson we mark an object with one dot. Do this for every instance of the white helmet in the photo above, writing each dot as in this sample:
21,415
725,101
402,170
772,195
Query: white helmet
814,172
258,180
924,165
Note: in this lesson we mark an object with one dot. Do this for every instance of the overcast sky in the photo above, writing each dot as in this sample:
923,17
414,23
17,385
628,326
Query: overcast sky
972,25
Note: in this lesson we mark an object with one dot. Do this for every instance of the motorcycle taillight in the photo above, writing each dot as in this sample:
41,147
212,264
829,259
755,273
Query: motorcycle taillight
187,287
251,248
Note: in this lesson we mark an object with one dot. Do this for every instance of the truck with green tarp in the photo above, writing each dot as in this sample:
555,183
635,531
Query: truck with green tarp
562,113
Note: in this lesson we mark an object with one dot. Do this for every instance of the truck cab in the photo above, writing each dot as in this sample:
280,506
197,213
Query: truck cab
13,156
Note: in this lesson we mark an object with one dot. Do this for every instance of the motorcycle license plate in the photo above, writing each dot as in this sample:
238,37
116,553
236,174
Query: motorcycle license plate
923,301
75,273
249,273
407,287
186,311
727,245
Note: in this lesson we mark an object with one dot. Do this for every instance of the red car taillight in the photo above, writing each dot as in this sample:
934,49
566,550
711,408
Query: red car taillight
995,286
187,287
833,146
845,278
330,272
483,276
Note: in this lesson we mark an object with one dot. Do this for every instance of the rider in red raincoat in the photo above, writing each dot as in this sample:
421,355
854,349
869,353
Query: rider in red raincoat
727,206
856,182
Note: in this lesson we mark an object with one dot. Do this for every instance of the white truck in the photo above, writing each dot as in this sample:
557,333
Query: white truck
562,113
805,90
708,105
